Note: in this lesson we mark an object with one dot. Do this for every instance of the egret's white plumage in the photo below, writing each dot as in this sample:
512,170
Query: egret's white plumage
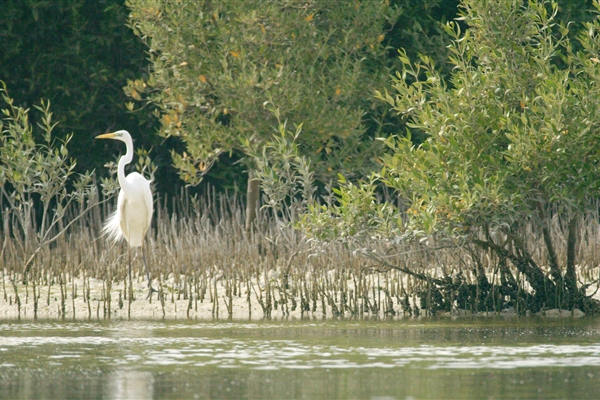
132,217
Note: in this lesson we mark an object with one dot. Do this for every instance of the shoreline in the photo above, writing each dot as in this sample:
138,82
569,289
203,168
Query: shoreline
86,300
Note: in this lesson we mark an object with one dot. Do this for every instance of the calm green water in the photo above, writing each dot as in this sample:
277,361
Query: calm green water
433,358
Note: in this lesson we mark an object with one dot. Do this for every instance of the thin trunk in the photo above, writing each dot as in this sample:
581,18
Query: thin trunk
571,275
509,283
553,259
252,196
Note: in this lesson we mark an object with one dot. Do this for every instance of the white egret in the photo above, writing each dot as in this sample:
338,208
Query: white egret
132,217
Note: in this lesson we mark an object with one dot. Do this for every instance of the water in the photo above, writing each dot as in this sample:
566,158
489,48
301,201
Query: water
373,359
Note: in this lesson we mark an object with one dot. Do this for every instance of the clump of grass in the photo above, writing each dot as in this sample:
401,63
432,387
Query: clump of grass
198,253
206,265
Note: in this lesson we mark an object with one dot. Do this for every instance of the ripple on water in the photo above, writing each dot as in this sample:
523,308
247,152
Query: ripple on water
250,346
282,354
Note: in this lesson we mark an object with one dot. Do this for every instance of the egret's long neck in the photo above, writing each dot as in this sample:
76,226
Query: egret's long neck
123,161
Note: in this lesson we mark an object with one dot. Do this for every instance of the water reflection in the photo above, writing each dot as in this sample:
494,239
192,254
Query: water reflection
129,384
333,359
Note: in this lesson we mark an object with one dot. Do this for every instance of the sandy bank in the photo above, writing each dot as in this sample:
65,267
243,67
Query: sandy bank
93,299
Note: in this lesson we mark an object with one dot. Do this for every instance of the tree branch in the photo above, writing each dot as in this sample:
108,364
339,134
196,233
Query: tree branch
418,275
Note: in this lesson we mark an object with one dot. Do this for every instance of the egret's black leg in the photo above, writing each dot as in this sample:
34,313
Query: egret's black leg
129,271
150,288
130,281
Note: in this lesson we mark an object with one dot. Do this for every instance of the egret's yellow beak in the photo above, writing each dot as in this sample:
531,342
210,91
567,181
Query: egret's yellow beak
107,136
